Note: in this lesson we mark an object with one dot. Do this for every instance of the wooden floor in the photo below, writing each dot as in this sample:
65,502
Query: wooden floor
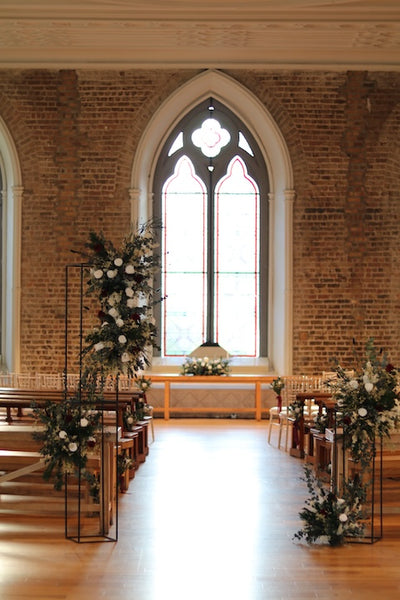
210,515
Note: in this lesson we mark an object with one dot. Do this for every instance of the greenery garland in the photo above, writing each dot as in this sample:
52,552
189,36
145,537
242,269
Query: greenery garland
368,403
330,517
122,281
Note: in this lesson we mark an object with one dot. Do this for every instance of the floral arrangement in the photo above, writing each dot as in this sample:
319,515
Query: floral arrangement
296,409
121,279
124,463
69,435
143,383
368,403
277,385
331,518
205,366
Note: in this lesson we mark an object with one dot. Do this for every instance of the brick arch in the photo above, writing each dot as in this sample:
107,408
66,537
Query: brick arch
273,146
12,197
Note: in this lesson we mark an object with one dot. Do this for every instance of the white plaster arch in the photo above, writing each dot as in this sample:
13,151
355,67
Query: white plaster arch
272,144
11,297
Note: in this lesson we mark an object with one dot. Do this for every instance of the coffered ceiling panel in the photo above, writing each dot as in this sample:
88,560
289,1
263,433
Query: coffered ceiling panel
314,34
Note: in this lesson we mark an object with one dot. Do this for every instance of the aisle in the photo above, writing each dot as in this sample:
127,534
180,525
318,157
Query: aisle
210,515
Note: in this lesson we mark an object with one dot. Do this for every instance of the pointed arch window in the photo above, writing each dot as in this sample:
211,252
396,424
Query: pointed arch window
210,193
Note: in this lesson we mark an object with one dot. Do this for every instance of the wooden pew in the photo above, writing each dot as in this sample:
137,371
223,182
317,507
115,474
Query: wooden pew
20,398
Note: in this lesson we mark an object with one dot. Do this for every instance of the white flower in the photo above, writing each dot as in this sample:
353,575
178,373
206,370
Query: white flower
362,412
118,262
84,422
122,339
353,383
130,302
113,312
98,274
72,447
62,434
129,269
129,292
343,517
369,386
111,273
125,357
119,322
99,346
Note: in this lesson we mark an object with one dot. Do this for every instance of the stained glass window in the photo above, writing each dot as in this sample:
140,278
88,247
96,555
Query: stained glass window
210,193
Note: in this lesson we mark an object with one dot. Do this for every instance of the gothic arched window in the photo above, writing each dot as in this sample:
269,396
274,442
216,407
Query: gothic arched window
211,195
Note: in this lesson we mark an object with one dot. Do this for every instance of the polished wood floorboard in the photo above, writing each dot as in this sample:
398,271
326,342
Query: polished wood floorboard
210,515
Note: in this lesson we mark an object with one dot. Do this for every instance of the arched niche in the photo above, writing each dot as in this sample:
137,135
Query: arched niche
272,144
11,292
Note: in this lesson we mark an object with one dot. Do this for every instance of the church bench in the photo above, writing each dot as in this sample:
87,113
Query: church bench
20,398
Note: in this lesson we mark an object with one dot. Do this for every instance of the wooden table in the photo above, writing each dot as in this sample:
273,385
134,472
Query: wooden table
256,380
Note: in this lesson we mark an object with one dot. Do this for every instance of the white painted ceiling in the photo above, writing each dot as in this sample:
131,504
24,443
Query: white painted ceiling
273,34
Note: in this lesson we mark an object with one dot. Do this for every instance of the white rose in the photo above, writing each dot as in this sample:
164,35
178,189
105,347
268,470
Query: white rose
111,273
125,357
118,262
343,517
369,386
362,412
72,447
119,323
129,269
122,339
62,434
353,383
98,274
99,346
84,422
129,292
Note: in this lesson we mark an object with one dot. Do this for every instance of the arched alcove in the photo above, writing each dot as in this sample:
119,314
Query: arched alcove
11,196
272,144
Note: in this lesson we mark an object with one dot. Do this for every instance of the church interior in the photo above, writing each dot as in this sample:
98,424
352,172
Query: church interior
96,99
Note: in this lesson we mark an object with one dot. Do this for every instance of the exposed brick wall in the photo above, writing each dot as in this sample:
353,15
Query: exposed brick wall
76,135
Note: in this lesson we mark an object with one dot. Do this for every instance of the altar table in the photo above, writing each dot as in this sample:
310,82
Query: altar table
256,380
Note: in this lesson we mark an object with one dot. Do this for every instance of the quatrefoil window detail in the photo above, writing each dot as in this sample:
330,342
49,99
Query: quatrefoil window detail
211,138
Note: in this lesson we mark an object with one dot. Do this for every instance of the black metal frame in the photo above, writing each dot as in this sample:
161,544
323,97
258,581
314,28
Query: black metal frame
103,534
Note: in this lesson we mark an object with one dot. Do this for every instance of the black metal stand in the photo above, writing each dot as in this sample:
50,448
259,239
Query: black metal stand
88,518
371,476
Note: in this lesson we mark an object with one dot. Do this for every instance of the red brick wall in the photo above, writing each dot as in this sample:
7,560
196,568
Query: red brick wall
76,134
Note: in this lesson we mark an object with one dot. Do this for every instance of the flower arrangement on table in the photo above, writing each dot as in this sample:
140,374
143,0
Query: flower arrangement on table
329,517
70,434
205,366
368,403
122,280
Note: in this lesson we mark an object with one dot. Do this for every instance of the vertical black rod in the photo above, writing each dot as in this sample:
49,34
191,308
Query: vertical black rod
65,387
116,458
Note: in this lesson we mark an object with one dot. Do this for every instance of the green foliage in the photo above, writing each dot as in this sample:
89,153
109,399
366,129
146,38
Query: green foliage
122,281
70,433
329,517
367,402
